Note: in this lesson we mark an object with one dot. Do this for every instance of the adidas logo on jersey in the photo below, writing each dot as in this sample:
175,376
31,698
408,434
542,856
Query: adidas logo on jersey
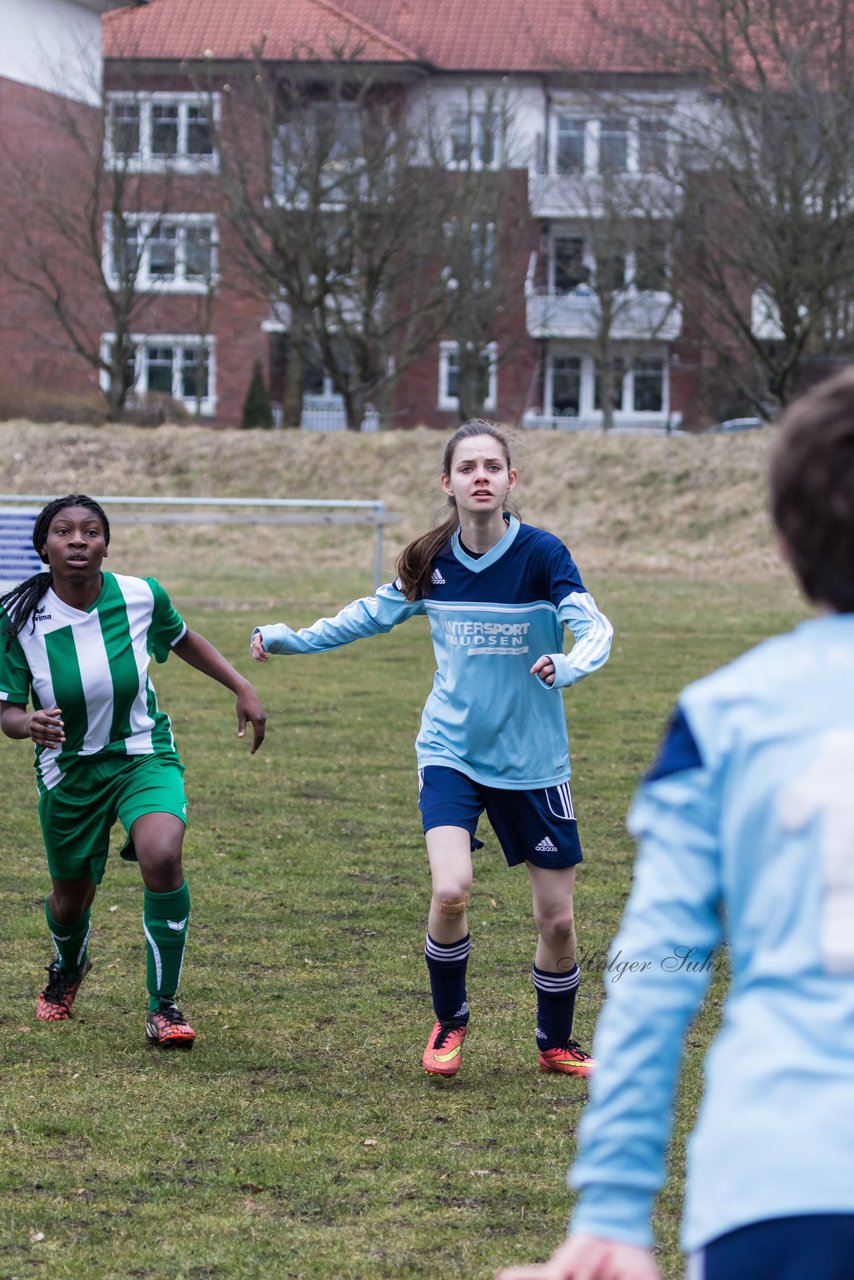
437,579
546,846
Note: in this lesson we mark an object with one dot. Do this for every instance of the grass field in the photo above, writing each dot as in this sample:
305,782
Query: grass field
301,1139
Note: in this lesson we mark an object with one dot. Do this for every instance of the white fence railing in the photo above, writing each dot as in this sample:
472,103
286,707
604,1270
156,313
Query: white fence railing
18,559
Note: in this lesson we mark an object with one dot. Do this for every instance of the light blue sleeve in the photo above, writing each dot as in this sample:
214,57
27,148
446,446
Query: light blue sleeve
592,632
370,616
658,974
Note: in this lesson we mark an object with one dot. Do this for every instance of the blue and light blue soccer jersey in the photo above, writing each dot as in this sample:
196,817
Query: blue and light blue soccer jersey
491,618
746,833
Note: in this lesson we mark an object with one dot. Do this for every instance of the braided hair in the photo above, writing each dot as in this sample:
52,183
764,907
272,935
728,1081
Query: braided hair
19,604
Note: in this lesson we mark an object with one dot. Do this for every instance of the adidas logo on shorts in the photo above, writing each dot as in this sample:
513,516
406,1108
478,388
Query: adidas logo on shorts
437,579
546,846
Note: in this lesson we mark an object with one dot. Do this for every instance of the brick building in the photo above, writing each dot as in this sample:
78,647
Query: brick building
50,59
591,120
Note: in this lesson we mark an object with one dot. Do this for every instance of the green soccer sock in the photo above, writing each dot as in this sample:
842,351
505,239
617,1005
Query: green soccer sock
70,941
164,919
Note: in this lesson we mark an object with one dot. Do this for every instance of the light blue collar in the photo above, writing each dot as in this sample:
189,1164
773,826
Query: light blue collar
480,563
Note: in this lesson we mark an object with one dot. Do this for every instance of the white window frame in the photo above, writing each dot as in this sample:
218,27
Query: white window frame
143,342
144,160
558,232
592,139
180,282
450,402
625,412
475,118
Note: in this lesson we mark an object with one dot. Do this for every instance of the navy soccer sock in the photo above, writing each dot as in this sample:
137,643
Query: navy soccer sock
555,1005
446,964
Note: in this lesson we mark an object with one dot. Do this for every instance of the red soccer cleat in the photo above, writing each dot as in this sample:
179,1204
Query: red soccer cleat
570,1060
167,1028
54,1003
444,1051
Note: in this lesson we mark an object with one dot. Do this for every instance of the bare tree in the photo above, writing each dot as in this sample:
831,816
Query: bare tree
487,238
346,211
605,275
81,223
766,224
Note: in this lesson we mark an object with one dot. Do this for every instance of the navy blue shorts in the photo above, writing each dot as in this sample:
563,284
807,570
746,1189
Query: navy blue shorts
816,1246
531,826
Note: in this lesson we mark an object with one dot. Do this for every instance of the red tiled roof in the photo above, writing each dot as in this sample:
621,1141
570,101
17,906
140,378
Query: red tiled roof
289,30
450,35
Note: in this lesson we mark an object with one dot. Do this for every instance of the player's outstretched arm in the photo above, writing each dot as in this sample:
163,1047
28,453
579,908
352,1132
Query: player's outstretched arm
589,1258
198,652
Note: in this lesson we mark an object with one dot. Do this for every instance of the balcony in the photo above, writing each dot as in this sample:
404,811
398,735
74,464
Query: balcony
637,317
588,195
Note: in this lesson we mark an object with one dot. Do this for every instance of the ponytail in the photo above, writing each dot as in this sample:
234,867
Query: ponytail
415,562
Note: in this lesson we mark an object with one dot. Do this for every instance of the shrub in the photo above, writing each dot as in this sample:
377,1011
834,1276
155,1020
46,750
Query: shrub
257,410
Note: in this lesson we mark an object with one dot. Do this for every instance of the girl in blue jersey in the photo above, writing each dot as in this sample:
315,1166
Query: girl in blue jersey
745,827
498,595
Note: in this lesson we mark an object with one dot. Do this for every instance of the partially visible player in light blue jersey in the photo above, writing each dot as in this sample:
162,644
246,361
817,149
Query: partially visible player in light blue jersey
498,595
745,827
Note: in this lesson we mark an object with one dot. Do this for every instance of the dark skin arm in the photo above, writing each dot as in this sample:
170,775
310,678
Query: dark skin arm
43,727
198,652
46,729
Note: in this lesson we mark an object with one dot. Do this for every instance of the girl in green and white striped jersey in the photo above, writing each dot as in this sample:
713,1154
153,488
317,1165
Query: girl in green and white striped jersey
77,642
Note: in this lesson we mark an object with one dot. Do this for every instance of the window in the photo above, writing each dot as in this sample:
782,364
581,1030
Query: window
164,129
198,256
616,390
176,253
473,139
574,386
569,269
613,145
320,156
156,131
449,375
652,146
483,254
124,129
566,386
124,256
610,273
648,386
162,251
180,366
571,135
199,137
651,264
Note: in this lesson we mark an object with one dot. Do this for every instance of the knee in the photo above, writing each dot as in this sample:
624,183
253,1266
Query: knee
69,901
557,928
162,870
451,897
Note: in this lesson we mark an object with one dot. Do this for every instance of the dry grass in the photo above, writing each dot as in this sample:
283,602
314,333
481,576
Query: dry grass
679,505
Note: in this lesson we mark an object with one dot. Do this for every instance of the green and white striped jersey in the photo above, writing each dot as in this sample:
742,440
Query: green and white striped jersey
93,665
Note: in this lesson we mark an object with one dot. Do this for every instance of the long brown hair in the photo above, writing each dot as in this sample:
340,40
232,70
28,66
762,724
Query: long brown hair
415,562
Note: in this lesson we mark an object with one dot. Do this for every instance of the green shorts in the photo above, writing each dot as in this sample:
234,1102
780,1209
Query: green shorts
77,815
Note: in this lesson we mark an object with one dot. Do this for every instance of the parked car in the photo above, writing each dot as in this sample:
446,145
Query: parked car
739,424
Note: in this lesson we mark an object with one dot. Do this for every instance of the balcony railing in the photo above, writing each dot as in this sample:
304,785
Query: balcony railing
588,195
639,317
